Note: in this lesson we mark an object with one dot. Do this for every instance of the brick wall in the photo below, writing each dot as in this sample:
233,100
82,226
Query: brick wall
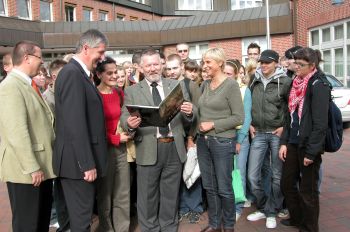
232,47
280,43
316,13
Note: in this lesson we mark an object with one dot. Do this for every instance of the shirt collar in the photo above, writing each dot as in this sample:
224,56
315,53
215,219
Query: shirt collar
160,84
23,75
82,65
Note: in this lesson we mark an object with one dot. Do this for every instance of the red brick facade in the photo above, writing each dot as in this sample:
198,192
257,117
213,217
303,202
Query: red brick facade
316,13
232,47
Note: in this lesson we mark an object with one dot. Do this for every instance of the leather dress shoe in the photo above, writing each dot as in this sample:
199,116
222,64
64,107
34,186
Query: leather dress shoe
288,222
209,229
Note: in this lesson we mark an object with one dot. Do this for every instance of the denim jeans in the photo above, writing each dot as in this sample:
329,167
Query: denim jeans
271,203
216,164
191,199
242,159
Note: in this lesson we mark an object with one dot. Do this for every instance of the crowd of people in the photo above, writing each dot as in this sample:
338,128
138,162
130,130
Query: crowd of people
68,142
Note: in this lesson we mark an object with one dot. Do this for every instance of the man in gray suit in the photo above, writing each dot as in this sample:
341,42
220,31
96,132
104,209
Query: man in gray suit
160,151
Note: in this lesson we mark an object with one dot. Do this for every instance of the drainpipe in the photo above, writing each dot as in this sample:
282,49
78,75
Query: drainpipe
295,30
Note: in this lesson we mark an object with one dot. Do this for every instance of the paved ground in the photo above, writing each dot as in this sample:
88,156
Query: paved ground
334,199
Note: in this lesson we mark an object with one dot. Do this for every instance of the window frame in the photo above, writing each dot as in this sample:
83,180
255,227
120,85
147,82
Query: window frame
90,14
256,3
74,7
103,12
5,8
29,8
118,15
187,4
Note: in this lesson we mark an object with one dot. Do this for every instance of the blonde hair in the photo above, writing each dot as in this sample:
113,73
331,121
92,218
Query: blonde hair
217,54
250,66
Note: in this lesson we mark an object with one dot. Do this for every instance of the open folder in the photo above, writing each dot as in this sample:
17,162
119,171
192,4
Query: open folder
161,115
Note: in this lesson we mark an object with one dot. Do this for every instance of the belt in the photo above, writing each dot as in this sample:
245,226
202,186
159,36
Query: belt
166,140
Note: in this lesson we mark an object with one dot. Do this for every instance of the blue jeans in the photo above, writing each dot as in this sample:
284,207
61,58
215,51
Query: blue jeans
242,166
216,164
191,199
271,203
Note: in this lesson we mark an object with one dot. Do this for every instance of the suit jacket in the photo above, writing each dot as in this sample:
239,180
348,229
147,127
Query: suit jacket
26,130
146,137
81,142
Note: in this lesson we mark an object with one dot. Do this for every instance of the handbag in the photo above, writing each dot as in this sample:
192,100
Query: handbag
130,147
237,183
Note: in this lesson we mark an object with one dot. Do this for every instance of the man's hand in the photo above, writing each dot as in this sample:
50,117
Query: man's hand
307,162
252,131
186,108
283,152
37,178
190,142
238,148
90,175
124,137
133,122
278,131
206,126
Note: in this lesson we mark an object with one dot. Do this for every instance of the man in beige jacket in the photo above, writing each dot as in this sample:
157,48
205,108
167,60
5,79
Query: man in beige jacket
26,130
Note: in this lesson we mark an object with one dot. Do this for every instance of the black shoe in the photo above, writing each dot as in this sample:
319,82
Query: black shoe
288,222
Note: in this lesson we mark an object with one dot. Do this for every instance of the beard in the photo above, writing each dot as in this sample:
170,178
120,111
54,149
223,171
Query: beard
153,77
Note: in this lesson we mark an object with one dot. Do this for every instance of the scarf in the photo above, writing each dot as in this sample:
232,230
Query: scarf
297,93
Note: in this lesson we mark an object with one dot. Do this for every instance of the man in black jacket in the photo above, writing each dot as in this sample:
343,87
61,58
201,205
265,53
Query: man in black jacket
80,154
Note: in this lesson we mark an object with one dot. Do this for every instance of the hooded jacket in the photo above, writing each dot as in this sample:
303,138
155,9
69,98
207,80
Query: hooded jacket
270,100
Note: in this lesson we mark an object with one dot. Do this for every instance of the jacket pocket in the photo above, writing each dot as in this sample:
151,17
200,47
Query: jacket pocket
38,147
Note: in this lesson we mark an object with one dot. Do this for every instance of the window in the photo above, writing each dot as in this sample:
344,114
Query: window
326,34
2,7
87,13
339,32
241,4
339,62
196,51
23,8
103,15
195,5
120,17
315,40
327,66
334,2
146,2
45,10
261,41
133,18
70,13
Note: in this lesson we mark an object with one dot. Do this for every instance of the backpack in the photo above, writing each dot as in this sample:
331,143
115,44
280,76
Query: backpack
334,134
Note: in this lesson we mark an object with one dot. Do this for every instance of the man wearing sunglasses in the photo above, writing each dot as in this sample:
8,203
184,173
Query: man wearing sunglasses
183,51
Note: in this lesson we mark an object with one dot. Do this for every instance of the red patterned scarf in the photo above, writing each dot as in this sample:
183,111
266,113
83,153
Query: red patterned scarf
297,93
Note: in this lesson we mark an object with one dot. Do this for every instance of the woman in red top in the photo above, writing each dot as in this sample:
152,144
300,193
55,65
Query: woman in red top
113,192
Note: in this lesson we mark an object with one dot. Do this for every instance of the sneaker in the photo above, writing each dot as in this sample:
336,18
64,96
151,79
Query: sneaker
257,215
238,215
283,213
183,216
247,204
271,223
194,217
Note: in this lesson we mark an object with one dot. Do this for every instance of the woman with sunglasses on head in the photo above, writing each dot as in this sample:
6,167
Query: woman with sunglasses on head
303,140
113,192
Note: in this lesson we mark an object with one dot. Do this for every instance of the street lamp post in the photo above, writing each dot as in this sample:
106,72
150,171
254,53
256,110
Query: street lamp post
268,39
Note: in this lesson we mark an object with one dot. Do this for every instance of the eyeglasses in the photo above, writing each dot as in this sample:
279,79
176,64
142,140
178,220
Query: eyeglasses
302,65
182,51
39,57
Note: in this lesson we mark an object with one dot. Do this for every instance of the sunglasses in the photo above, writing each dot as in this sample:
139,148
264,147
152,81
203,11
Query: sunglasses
302,65
182,51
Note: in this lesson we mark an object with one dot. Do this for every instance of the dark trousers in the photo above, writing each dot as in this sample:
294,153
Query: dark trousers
303,201
158,191
30,206
79,196
61,207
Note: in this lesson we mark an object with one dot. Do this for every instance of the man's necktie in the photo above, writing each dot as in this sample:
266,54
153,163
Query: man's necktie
164,131
36,89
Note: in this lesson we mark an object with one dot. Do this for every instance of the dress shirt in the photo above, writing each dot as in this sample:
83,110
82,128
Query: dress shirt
82,65
23,75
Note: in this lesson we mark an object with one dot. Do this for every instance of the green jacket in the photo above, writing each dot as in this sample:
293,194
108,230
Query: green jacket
270,103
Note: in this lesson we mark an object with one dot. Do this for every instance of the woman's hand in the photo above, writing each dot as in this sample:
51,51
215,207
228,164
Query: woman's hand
124,137
206,126
307,162
283,152
252,131
238,148
278,131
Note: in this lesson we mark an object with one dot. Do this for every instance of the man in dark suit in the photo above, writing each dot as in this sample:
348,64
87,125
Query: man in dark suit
160,151
80,154
27,135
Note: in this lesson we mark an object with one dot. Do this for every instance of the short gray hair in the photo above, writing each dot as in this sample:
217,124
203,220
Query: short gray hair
91,38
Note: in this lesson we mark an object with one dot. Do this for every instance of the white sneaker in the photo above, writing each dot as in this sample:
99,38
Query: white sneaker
257,215
238,215
247,204
271,223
